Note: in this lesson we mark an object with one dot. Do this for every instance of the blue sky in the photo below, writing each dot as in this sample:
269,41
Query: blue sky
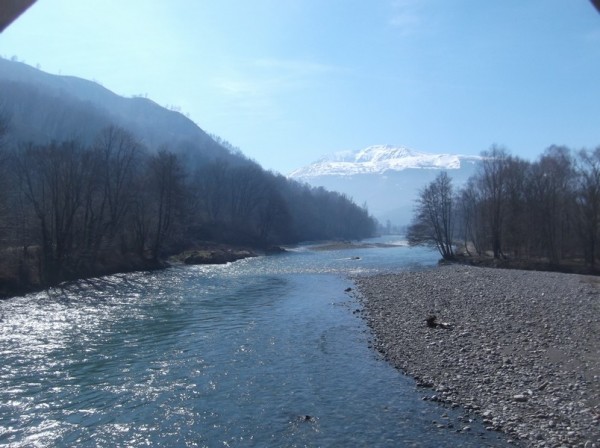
288,81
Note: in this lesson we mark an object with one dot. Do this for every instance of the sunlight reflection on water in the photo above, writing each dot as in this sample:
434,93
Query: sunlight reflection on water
234,355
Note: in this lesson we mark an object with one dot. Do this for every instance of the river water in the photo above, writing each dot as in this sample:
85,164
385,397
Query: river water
261,352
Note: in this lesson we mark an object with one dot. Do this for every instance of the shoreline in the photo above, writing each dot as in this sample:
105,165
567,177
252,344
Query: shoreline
9,289
205,253
523,350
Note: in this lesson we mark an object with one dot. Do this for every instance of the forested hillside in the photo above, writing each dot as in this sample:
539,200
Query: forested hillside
82,195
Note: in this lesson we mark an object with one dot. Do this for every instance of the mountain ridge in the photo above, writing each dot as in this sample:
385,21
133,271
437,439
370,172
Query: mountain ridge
97,106
386,178
378,159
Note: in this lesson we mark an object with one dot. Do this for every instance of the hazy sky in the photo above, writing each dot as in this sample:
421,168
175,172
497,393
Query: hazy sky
288,81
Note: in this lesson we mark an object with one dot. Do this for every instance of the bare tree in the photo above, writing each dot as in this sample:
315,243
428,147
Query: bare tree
248,189
588,202
166,176
273,218
492,185
212,186
53,179
434,219
549,204
469,217
119,155
514,231
4,184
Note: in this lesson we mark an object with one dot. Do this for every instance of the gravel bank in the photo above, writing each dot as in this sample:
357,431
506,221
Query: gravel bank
523,350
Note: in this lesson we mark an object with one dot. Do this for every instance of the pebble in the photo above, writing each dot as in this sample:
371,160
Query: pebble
523,351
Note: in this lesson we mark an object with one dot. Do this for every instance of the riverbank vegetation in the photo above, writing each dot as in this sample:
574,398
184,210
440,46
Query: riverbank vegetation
71,210
543,214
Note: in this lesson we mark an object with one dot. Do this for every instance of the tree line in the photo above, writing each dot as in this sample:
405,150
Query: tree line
69,210
546,210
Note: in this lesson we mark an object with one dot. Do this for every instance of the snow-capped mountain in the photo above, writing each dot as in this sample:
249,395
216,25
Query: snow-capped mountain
387,178
378,159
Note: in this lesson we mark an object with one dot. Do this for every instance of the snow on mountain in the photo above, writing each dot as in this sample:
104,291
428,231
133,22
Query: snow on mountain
387,178
378,159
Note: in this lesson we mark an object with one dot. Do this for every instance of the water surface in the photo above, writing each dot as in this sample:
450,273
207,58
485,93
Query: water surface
260,352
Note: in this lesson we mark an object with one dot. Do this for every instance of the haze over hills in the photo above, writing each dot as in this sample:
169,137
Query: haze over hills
97,183
387,178
45,107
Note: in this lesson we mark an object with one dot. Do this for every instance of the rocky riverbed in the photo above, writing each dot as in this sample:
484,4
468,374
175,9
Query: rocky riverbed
520,348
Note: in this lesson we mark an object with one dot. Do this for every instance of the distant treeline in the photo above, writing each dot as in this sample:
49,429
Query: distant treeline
547,210
69,210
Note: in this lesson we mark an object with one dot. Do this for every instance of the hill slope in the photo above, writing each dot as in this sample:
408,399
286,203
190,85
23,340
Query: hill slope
45,107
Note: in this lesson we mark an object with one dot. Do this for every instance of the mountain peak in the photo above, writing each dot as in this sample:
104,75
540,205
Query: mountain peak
378,153
378,159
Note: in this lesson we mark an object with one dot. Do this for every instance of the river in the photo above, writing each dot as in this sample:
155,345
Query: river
267,351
